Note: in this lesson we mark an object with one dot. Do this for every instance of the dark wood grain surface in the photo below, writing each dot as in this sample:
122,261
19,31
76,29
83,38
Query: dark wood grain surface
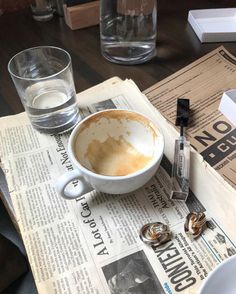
177,46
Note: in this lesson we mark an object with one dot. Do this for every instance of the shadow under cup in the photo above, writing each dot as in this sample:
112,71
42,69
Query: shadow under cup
117,151
44,81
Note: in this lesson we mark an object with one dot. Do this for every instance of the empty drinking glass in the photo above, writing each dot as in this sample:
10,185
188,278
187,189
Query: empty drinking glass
43,79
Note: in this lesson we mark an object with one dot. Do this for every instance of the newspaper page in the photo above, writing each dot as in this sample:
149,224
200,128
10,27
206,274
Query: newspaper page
92,244
203,82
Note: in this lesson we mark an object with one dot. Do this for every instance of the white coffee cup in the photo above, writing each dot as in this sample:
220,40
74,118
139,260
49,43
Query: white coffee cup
113,151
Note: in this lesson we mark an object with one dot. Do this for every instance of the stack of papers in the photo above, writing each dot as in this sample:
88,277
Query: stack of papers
214,25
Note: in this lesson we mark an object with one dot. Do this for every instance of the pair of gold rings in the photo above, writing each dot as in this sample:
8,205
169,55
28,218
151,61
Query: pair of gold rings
158,233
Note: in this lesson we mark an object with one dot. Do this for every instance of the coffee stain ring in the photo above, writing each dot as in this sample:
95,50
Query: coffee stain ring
155,233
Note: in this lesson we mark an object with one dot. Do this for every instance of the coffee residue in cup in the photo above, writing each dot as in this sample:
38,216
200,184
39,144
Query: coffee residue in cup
115,157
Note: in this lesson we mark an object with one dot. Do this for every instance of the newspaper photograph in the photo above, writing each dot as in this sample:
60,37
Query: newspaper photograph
92,244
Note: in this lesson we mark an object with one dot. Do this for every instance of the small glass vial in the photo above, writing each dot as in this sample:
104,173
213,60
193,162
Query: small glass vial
180,170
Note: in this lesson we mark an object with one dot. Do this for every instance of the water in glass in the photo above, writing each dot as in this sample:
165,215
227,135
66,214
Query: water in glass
128,30
44,81
51,106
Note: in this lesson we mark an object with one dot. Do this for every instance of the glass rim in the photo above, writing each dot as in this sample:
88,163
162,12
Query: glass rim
43,78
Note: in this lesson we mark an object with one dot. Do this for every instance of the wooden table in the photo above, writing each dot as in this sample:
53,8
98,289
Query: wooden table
177,46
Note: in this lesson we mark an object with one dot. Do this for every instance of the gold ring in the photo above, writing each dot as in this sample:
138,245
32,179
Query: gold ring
194,224
155,233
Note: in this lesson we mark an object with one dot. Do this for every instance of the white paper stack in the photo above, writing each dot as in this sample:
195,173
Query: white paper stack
214,25
228,105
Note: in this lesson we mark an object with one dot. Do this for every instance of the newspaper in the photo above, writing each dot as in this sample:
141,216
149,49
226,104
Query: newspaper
203,82
92,244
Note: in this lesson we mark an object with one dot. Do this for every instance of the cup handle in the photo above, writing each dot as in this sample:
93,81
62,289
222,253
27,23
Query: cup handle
82,187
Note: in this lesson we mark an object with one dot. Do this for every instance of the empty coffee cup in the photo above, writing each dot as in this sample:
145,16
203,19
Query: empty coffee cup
113,151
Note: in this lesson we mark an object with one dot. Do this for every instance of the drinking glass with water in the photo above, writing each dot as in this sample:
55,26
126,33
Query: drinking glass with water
128,30
44,81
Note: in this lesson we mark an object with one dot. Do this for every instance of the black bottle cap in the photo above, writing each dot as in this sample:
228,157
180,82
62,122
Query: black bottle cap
182,116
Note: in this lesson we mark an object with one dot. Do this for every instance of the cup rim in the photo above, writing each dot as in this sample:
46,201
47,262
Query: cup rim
43,78
99,176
